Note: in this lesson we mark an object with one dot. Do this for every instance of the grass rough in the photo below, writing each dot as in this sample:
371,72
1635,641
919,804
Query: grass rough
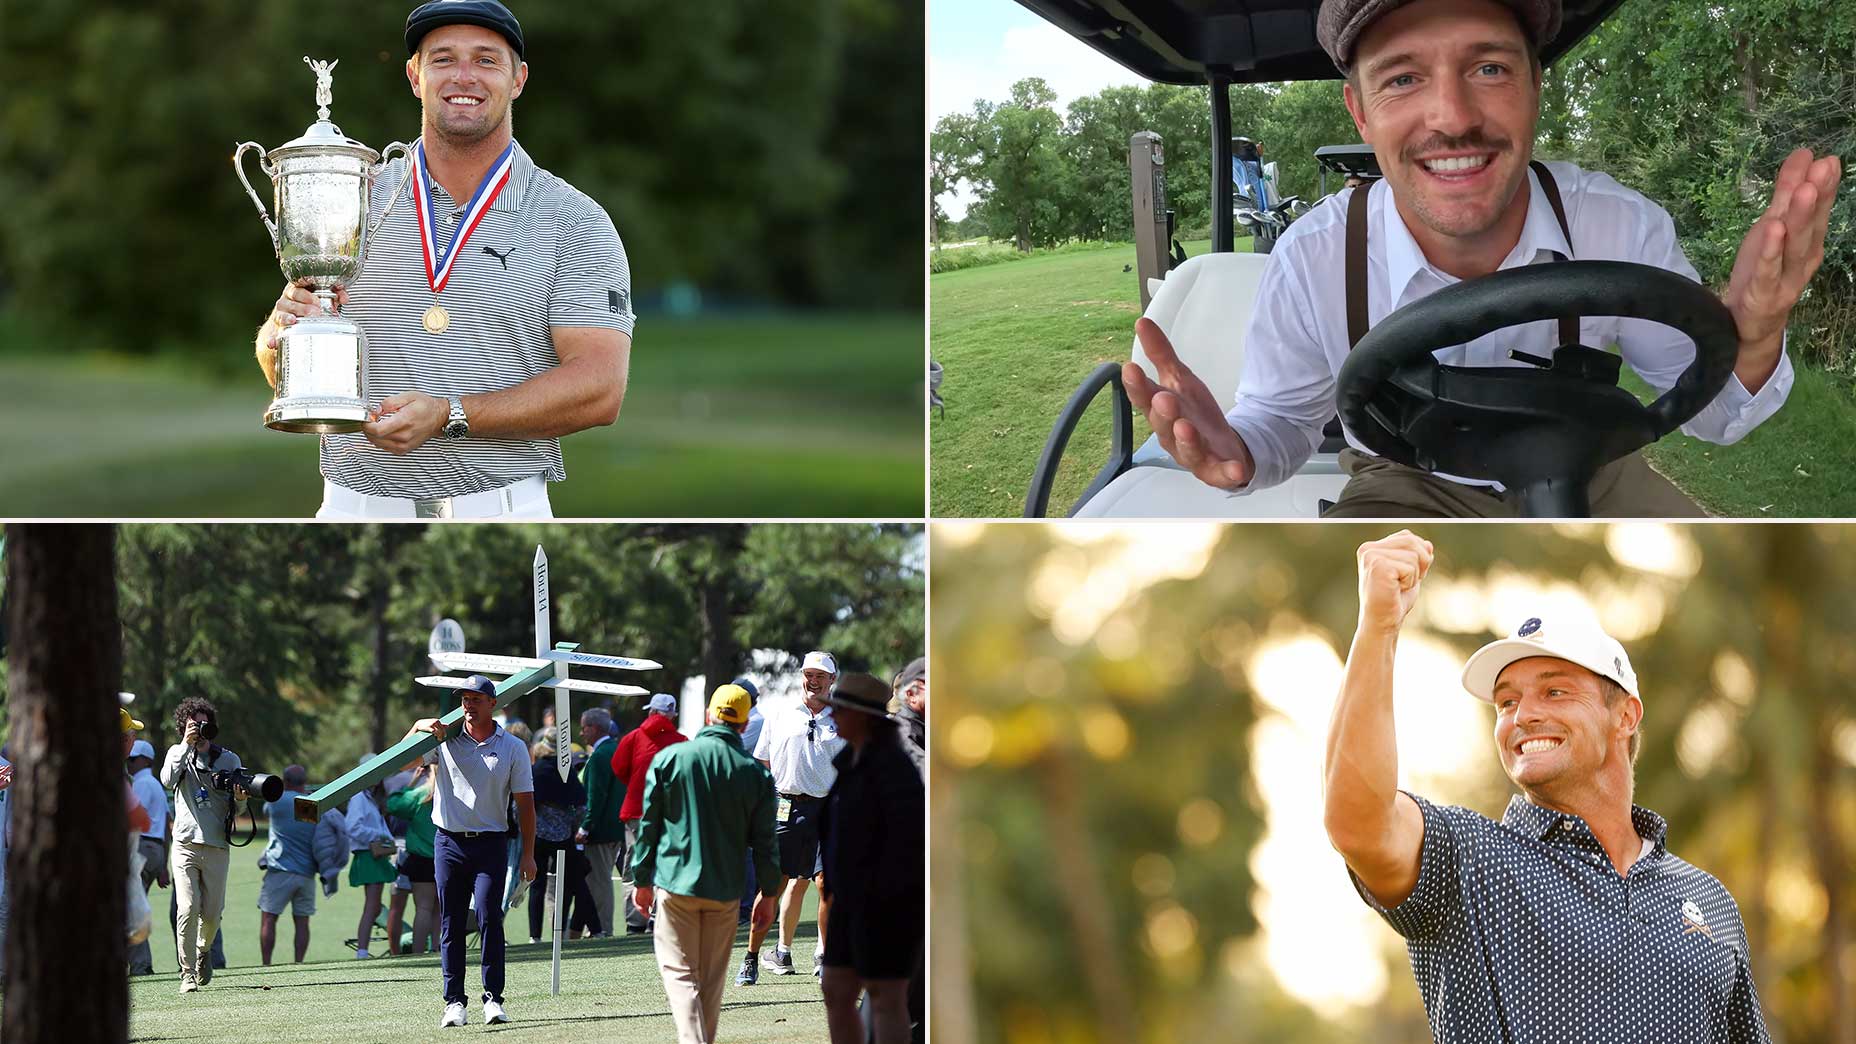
786,416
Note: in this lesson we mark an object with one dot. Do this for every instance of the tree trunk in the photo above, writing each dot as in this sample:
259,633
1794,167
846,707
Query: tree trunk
721,653
1084,898
1024,237
1833,869
379,597
68,862
954,1013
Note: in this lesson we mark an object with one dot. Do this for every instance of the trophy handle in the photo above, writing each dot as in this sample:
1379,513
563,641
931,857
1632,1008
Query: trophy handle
405,150
238,164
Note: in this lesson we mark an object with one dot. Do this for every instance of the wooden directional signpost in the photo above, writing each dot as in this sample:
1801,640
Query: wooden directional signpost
547,669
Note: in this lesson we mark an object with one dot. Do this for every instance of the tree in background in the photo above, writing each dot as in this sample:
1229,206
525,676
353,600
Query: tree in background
1016,165
764,157
66,863
308,638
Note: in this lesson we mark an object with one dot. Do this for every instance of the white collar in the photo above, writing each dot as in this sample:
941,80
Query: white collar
1405,259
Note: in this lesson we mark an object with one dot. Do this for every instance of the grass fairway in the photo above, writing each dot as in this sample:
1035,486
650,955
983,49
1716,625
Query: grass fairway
610,989
1017,338
813,416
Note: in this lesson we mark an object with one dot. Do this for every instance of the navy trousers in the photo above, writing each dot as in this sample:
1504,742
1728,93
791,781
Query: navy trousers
467,867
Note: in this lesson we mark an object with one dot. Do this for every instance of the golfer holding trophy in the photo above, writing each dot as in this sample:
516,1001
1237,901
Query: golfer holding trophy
495,299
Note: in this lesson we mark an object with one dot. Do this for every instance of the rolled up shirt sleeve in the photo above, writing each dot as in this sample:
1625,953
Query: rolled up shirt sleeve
1286,392
1660,353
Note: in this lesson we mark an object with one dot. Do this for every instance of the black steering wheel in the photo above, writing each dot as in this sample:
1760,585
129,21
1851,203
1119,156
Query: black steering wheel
1542,430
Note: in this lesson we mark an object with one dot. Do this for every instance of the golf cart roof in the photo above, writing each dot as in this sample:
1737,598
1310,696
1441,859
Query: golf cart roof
1248,41
1354,160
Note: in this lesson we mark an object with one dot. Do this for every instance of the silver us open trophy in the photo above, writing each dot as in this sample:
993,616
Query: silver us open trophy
323,181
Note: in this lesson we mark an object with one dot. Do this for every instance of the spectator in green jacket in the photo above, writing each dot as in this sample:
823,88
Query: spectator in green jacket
706,803
414,805
600,830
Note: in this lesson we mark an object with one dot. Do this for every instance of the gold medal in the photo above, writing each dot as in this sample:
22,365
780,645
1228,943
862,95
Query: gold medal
437,320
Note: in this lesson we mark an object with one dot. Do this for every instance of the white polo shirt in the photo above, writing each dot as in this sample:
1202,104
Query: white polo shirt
798,746
1298,329
475,781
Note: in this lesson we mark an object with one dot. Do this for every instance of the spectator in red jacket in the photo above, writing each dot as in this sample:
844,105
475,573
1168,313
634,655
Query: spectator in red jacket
629,763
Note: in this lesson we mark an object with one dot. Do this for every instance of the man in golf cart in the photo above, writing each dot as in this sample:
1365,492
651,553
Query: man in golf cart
1447,92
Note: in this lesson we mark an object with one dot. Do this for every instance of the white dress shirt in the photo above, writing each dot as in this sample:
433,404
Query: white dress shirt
1298,330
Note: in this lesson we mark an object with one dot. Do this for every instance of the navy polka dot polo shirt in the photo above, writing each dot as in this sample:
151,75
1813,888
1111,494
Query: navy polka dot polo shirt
1523,931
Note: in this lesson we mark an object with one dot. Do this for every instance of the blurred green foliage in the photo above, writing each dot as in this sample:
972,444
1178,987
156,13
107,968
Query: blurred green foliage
1071,762
766,154
308,637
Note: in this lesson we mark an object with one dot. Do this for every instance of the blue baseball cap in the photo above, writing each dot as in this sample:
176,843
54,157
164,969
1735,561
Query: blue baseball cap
479,683
752,690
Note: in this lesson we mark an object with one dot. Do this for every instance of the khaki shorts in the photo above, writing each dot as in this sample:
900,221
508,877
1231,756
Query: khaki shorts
299,890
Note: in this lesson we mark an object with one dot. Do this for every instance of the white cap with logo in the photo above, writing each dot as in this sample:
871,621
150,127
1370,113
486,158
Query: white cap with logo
1569,637
820,661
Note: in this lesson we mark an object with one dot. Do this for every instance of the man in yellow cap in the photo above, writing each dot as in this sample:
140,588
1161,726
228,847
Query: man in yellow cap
706,804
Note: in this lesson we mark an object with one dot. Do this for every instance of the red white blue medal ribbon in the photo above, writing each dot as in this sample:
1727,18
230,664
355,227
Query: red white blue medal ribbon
439,259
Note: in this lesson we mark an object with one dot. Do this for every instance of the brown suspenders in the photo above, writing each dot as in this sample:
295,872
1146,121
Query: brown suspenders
1356,257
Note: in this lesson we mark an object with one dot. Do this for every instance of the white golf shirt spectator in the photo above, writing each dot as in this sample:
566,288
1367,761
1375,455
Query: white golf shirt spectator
798,746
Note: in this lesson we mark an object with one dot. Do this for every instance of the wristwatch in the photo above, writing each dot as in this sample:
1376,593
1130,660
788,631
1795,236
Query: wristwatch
457,425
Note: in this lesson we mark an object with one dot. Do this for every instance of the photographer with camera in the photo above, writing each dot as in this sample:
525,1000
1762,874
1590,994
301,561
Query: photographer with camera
197,771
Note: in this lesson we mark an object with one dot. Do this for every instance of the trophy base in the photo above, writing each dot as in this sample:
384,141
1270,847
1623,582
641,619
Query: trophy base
319,367
327,419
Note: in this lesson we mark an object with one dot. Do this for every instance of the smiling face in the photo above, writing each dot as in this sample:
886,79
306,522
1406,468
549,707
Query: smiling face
817,684
1553,729
467,78
1447,94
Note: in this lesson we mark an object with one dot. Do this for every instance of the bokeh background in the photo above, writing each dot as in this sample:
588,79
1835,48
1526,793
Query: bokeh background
762,162
1128,738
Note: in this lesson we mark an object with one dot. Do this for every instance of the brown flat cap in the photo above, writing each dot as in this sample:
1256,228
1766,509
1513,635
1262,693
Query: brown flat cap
1340,23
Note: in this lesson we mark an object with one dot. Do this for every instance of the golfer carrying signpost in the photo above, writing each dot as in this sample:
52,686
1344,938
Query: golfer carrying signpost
477,771
1570,920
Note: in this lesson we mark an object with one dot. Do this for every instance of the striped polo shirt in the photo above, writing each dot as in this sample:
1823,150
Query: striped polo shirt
1524,931
544,255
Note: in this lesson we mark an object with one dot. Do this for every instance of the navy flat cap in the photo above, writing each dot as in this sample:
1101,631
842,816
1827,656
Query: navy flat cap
486,13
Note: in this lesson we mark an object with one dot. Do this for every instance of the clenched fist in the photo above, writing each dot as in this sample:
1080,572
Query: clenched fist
1390,571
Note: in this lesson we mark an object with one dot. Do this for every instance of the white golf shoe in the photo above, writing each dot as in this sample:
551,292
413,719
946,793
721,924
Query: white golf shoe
454,1015
493,1013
